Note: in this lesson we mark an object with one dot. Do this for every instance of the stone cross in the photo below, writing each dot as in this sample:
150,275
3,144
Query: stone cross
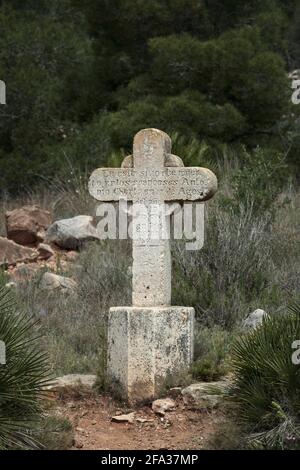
139,357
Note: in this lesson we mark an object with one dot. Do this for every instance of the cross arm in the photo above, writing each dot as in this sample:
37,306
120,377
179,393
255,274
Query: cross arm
168,184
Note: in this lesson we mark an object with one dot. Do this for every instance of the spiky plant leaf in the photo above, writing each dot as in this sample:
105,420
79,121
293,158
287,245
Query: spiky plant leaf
267,383
22,378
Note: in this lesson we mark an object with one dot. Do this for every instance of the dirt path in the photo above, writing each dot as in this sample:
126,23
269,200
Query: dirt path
95,430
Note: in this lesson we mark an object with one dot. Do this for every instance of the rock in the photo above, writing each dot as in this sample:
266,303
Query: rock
255,319
27,225
204,395
162,405
70,234
45,251
129,418
11,285
51,281
11,253
73,381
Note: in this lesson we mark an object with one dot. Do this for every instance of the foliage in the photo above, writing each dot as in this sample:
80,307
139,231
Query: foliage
22,378
83,77
55,433
211,351
267,382
257,183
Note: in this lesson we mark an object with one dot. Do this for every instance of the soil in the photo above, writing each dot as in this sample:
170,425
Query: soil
181,429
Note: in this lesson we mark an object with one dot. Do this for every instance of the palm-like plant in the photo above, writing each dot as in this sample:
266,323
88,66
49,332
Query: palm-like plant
267,382
22,377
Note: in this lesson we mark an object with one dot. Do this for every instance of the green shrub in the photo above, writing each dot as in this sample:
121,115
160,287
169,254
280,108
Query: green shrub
267,382
258,181
211,353
22,377
55,433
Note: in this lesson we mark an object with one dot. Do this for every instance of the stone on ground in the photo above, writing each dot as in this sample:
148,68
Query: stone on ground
11,253
161,406
27,225
70,234
204,395
51,282
45,251
72,381
255,319
129,418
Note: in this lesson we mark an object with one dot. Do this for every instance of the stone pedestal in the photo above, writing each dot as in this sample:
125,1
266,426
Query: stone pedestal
146,346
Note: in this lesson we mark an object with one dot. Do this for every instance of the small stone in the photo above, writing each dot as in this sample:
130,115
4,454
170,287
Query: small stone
72,381
129,418
51,282
81,430
11,285
255,319
94,423
45,251
204,395
162,405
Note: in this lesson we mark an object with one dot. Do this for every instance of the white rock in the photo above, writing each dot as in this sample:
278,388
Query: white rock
204,395
73,380
162,405
255,319
72,233
129,418
51,281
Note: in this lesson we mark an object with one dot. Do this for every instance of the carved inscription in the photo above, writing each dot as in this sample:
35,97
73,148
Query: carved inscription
152,184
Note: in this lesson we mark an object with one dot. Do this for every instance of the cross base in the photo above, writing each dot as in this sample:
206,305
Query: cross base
146,346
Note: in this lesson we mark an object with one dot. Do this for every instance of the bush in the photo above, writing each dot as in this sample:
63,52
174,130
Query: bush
258,181
211,353
55,433
22,378
267,383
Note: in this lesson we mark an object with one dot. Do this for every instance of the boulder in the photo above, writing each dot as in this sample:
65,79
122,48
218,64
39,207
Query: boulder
27,225
255,319
51,282
70,234
162,405
204,395
11,253
72,381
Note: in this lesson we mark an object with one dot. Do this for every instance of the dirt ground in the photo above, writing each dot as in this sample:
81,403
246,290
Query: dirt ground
95,429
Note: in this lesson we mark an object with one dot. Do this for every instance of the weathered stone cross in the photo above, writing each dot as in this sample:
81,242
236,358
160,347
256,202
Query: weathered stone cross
150,340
